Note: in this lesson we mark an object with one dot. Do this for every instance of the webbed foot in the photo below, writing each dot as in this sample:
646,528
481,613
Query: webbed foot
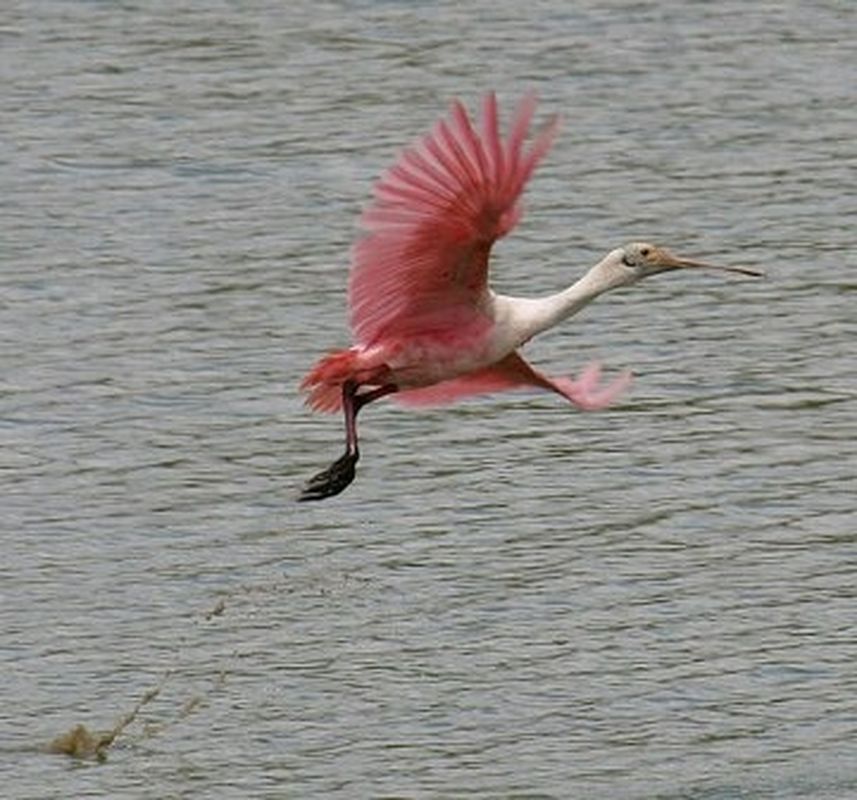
331,481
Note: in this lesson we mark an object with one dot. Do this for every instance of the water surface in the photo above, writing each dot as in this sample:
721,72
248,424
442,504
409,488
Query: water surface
514,599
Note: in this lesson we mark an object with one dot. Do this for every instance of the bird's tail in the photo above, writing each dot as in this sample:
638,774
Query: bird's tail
323,383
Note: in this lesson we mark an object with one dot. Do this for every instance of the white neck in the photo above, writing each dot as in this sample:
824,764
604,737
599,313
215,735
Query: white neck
529,316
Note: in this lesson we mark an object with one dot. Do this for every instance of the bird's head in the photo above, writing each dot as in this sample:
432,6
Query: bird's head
638,260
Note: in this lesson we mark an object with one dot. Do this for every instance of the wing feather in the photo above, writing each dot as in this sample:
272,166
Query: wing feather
514,372
436,213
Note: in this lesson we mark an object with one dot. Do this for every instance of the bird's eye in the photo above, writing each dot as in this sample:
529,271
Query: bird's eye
645,252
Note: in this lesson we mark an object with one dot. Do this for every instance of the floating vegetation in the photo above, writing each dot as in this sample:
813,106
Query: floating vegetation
84,744
80,743
218,609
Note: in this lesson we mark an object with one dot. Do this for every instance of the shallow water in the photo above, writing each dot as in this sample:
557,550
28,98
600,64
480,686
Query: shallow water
513,600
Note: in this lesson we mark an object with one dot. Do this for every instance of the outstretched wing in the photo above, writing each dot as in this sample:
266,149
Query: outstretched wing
514,372
436,214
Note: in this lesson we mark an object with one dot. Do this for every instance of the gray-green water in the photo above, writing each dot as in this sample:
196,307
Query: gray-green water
514,599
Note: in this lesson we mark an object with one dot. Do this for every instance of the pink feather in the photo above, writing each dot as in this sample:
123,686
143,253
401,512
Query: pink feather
427,328
419,275
514,372
437,212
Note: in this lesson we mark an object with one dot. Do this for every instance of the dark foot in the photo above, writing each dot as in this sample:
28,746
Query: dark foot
332,480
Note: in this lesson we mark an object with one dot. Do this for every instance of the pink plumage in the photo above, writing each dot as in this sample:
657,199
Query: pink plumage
437,211
419,274
426,326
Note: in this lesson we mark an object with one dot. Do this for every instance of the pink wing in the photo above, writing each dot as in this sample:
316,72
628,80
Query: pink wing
514,372
436,213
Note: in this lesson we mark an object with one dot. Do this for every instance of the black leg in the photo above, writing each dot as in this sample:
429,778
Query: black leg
340,473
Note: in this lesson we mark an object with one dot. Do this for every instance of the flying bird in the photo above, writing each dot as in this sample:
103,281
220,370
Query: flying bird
427,328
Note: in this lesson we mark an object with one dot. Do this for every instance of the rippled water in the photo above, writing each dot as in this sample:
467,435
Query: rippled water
513,600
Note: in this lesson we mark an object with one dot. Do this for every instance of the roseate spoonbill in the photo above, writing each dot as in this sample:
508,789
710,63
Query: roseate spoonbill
425,322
